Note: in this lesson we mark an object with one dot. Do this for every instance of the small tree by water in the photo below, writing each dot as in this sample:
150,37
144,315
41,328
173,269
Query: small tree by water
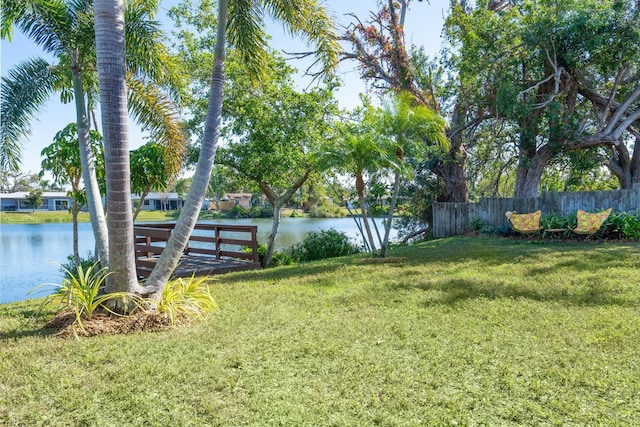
34,199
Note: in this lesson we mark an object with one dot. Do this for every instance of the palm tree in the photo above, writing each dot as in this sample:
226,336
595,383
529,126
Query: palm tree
244,21
66,30
67,33
112,71
361,150
410,127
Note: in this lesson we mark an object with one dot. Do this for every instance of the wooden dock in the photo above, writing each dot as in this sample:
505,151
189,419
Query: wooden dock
212,249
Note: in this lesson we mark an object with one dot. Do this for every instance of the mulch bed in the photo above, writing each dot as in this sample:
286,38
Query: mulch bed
64,324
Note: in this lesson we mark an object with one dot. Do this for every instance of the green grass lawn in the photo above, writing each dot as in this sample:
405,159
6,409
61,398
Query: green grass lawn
467,331
40,217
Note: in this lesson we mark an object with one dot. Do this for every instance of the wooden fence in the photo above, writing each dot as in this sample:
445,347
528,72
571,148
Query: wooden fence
450,219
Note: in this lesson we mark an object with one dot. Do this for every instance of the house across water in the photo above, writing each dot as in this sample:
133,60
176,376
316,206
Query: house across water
51,201
170,201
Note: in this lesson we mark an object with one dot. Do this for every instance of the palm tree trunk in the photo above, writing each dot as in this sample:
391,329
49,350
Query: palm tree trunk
111,61
189,214
363,212
74,217
94,202
392,208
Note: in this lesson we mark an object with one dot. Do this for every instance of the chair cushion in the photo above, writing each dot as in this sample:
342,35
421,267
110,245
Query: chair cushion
589,223
526,223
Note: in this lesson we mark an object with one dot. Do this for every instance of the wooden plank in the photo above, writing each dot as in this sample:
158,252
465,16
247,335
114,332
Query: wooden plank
193,250
231,254
207,239
152,232
148,248
237,242
140,263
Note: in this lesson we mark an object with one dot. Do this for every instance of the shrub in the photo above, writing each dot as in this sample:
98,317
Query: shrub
327,209
558,221
324,244
81,291
189,298
71,265
253,212
623,225
278,258
476,224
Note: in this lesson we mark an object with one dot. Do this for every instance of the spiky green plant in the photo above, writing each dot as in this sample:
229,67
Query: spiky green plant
188,297
80,291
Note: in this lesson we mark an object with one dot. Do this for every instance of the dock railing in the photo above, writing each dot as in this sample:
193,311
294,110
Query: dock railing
219,242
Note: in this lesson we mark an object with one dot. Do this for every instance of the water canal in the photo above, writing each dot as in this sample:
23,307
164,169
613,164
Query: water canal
31,254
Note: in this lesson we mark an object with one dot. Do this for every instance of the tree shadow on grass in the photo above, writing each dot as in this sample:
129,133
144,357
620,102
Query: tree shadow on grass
25,333
455,291
300,270
31,322
303,272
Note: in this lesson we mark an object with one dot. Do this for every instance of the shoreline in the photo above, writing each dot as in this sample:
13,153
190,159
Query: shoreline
46,217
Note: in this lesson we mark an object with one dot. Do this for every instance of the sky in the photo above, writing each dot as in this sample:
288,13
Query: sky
423,27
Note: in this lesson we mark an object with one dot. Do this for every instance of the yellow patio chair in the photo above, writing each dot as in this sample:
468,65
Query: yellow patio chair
525,223
589,223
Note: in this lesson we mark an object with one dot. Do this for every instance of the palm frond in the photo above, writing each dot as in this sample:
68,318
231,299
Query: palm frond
46,22
27,88
309,19
147,55
156,113
246,34
82,38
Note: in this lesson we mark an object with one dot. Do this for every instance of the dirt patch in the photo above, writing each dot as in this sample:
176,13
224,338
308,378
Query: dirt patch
64,324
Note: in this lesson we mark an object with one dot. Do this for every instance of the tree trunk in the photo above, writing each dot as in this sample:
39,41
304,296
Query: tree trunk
189,214
363,212
277,207
624,166
94,202
143,196
635,162
278,201
111,62
453,172
74,218
392,208
530,171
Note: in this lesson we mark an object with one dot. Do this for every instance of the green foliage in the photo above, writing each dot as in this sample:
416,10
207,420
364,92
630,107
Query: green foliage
277,259
523,64
62,159
149,171
65,30
324,244
418,195
81,291
327,209
476,224
623,225
619,225
186,297
238,211
34,199
71,265
279,132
